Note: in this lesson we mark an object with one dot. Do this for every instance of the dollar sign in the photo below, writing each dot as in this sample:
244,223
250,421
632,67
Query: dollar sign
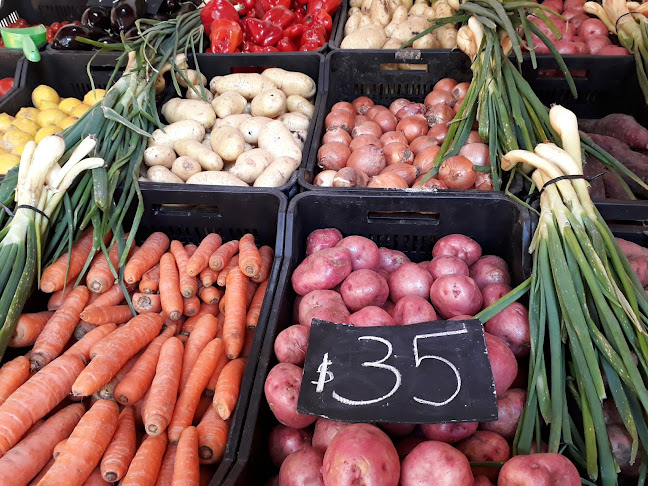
324,375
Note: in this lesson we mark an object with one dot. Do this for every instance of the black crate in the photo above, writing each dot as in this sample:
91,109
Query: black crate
500,225
627,220
44,11
11,67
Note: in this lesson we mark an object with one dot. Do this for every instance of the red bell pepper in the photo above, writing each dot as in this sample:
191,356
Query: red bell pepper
281,16
286,45
309,46
295,31
5,85
329,6
263,6
226,35
261,32
315,34
264,49
319,17
215,10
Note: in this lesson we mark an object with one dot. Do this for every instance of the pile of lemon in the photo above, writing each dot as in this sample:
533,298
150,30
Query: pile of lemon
51,114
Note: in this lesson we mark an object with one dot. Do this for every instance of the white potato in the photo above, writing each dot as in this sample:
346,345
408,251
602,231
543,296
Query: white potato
299,104
299,136
192,95
379,12
159,173
159,155
229,103
227,142
208,159
291,83
251,127
367,37
216,178
295,121
353,10
178,109
428,41
247,85
277,139
270,103
418,8
414,25
233,121
181,130
194,78
212,84
391,44
278,172
250,165
353,22
184,167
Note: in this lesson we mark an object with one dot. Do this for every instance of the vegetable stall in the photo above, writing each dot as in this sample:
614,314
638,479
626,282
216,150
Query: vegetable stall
218,216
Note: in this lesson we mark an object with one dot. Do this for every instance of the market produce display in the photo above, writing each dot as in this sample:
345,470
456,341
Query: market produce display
51,30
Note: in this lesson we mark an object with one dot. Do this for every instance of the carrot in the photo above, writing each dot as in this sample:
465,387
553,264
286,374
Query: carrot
86,444
28,327
164,389
83,328
170,296
61,445
247,343
168,322
113,296
200,259
83,346
234,325
56,299
12,375
54,276
186,469
150,281
100,278
96,479
223,254
204,310
165,477
139,407
190,248
191,306
255,307
267,255
249,256
222,276
31,454
121,450
134,385
190,395
204,331
228,387
188,284
105,315
144,468
208,277
204,404
37,479
146,257
220,364
59,329
212,437
209,295
143,303
107,391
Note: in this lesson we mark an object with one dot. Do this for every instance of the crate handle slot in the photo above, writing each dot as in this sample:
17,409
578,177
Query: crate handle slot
421,68
429,217
577,74
185,210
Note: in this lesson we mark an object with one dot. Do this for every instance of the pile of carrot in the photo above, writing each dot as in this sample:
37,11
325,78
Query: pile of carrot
71,408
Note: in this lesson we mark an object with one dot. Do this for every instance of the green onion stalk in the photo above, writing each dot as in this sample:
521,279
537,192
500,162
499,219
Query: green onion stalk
119,126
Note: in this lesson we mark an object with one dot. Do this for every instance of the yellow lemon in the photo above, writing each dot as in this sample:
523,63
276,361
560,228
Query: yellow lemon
45,131
26,125
68,122
5,121
8,161
52,116
29,113
13,138
44,94
80,110
68,104
93,97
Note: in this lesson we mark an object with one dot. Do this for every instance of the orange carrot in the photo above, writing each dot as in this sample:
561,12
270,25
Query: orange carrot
82,347
139,331
96,479
107,391
28,327
186,469
223,254
200,259
249,256
150,281
86,444
170,296
56,299
139,407
144,468
105,315
146,257
203,332
53,277
209,295
255,307
12,375
36,480
100,278
168,322
165,477
164,389
208,277
191,306
113,296
190,395
205,309
228,387
267,255
222,276
204,404
212,437
61,445
143,303
121,450
188,284
83,328
247,343
31,454
190,248
220,364
59,329
234,325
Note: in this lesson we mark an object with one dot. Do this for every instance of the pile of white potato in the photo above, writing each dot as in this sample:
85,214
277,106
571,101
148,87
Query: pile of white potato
251,132
387,24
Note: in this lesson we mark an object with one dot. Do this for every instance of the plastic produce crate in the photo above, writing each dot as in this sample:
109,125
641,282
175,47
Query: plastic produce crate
627,220
11,67
500,225
44,11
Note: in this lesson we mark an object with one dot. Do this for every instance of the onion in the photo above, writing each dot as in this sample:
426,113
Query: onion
457,105
445,84
408,172
411,109
421,143
398,104
597,42
477,153
340,118
413,126
367,128
397,153
438,96
457,172
438,132
362,104
333,155
324,178
362,140
374,110
424,160
474,137
432,184
394,136
344,106
368,159
386,120
459,91
337,134
349,177
390,180
484,181
439,114
360,119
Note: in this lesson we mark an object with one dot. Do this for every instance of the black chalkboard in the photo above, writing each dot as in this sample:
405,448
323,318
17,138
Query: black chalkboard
433,372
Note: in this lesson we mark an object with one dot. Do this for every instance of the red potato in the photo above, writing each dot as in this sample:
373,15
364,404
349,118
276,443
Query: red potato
321,239
364,252
503,363
302,467
458,245
621,443
449,433
291,345
371,316
461,317
390,260
407,445
368,159
640,267
597,42
453,295
409,279
362,140
283,441
325,431
544,469
389,307
322,304
364,288
573,5
363,455
592,27
436,463
509,408
273,481
393,137
484,446
512,326
490,269
282,392
611,414
491,293
336,134
522,377
413,309
447,265
482,481
555,5
333,155
295,314
398,430
322,270
577,17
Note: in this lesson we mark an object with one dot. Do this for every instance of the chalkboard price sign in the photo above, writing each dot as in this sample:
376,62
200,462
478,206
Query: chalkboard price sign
433,372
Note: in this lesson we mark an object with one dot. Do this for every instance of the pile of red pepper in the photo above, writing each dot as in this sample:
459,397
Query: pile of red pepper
268,25
51,30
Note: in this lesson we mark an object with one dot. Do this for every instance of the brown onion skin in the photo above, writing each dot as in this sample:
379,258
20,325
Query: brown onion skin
439,96
337,134
396,105
457,173
361,119
411,109
398,153
438,132
484,181
367,128
439,114
333,155
371,112
393,136
362,104
408,172
445,84
362,140
349,177
368,159
459,91
421,143
413,126
474,137
458,105
324,178
386,120
432,183
340,118
477,153
344,106
390,180
424,160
